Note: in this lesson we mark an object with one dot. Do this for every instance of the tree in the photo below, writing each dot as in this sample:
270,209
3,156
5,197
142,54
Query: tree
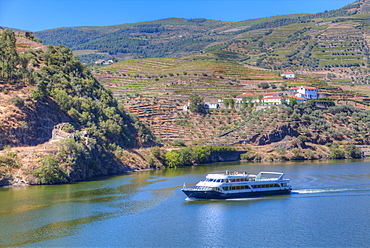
292,101
9,59
263,85
244,102
336,152
181,157
50,172
196,103
352,151
232,103
260,99
282,87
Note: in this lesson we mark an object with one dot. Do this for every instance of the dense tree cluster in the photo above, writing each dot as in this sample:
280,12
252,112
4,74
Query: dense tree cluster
13,66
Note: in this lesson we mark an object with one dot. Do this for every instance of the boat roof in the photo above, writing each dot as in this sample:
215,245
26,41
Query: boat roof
261,175
230,175
270,175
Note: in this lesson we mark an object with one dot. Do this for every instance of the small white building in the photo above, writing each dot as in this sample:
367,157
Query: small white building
306,92
277,100
288,75
207,105
272,100
211,105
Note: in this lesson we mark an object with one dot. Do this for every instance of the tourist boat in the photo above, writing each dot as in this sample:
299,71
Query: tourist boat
239,185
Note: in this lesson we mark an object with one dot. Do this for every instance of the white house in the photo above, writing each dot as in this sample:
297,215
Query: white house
277,100
288,75
305,92
272,100
207,105
211,105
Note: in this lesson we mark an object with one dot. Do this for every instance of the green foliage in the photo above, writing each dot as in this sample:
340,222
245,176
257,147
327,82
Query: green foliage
352,151
196,103
188,156
50,172
181,157
92,107
178,142
12,66
150,160
7,147
18,101
336,152
156,152
71,150
263,85
69,128
9,160
204,153
229,102
302,138
245,156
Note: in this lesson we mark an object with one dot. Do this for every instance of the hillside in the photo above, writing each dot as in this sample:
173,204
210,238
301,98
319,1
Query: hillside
332,45
63,122
58,124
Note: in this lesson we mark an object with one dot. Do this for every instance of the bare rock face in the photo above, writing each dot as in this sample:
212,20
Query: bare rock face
276,135
31,124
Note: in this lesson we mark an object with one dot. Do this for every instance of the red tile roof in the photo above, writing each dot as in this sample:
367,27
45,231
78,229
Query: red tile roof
279,97
297,97
306,87
273,97
272,93
246,95
287,73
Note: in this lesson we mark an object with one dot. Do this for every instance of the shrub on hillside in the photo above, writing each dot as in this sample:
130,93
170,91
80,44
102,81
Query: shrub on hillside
18,101
50,171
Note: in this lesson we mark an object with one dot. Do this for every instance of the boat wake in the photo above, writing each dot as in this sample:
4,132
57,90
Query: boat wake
331,190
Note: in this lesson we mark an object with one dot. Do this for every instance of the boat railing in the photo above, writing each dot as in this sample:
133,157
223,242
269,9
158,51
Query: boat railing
196,189
266,179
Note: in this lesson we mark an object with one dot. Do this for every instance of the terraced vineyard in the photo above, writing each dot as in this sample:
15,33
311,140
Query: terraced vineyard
171,124
178,78
320,43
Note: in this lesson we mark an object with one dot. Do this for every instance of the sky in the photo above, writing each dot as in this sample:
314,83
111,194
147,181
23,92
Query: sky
37,15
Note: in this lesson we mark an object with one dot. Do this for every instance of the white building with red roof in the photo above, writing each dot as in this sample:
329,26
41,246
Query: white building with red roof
211,105
239,98
306,92
288,75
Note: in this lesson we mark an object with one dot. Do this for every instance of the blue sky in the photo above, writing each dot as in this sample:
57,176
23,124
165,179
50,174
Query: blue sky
37,15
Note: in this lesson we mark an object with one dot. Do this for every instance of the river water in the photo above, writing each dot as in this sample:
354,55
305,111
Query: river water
329,207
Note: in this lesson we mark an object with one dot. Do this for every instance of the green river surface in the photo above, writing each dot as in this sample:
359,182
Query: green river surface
329,207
